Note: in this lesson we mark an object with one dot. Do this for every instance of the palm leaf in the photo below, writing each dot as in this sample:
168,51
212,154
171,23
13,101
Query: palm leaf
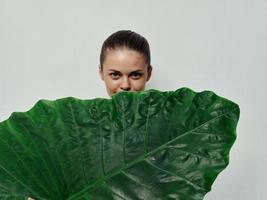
137,145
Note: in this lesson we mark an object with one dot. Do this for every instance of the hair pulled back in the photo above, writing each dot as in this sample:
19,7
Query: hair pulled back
128,39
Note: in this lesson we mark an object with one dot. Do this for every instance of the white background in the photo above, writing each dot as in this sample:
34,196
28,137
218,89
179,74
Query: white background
50,49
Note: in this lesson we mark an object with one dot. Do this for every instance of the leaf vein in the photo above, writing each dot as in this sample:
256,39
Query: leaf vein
176,175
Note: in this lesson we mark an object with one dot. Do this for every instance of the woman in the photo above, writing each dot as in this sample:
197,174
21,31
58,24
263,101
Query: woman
125,62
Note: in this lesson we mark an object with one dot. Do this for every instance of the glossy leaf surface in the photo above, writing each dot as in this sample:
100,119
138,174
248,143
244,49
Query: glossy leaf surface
137,145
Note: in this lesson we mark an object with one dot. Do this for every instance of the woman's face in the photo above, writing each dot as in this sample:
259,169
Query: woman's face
124,70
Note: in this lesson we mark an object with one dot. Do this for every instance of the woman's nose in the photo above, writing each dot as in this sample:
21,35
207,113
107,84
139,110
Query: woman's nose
125,85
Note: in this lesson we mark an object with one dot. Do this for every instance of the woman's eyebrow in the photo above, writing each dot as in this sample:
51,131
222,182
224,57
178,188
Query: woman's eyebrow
136,71
113,70
139,70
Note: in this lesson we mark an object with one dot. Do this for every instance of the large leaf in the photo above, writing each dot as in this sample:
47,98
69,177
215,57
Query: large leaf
137,145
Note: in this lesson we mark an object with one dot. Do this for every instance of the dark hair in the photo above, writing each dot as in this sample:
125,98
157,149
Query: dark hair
128,39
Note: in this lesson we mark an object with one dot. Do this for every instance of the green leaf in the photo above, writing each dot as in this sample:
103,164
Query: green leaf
137,145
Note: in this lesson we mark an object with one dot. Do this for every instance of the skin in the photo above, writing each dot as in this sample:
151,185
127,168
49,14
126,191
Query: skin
124,70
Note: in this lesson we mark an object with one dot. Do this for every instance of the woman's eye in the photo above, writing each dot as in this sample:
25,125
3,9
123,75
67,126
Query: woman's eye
114,75
136,75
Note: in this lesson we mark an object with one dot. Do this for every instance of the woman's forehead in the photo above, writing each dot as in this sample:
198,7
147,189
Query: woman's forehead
124,60
121,53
